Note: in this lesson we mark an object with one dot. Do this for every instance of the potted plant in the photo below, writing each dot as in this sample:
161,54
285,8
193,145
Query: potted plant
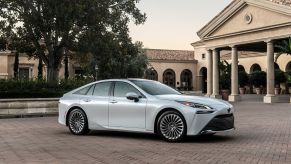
243,80
225,79
279,78
258,79
288,78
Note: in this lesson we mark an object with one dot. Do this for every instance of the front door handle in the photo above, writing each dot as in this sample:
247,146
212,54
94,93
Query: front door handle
87,100
113,102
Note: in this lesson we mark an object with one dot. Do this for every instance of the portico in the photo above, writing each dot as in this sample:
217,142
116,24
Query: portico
244,25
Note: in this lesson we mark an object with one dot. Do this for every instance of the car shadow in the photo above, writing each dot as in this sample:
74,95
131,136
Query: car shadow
153,137
125,135
208,138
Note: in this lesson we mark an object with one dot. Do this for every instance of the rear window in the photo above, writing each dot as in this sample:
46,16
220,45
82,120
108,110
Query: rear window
102,89
82,91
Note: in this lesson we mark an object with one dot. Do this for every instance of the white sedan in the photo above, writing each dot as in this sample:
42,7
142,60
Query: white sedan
146,106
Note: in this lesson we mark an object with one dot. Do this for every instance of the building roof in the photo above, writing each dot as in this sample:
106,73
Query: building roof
282,2
281,6
176,55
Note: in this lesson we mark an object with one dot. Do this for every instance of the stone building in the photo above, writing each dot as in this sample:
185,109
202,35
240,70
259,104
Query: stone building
245,28
175,68
28,67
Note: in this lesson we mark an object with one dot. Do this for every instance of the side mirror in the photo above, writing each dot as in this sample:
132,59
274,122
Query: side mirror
132,96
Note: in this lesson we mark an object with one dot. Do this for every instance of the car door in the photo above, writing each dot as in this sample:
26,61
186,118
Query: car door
125,113
96,104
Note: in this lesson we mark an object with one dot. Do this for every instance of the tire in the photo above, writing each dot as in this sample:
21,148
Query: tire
77,122
171,126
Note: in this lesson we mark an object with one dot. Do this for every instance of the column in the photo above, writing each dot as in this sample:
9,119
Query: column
270,97
216,59
234,97
209,73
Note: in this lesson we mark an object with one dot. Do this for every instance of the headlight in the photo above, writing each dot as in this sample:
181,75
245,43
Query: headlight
195,105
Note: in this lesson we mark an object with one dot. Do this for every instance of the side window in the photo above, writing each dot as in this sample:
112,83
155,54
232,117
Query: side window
102,89
90,92
122,88
82,91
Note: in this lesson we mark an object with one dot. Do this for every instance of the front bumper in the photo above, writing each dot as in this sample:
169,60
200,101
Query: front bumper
221,123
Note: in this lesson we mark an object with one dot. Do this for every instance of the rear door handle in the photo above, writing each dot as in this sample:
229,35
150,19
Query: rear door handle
113,102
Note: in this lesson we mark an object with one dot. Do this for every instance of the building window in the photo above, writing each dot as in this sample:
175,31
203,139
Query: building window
169,78
203,56
79,72
24,73
151,74
186,80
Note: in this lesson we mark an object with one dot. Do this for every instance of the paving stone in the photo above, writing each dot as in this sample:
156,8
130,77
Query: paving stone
263,135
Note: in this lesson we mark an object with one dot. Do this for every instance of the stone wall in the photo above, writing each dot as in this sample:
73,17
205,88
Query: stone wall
28,107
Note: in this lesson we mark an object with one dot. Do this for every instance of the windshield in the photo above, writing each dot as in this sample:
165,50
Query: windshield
155,88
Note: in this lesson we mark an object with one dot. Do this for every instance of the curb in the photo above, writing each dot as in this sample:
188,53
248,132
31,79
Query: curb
28,115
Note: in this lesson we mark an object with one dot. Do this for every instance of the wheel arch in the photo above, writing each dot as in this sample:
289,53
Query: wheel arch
70,110
166,110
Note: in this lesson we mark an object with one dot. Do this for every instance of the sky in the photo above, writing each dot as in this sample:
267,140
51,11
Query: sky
173,24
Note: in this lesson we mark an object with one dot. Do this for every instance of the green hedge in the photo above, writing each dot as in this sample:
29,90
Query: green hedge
38,88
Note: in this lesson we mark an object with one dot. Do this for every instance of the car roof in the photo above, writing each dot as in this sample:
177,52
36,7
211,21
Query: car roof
129,79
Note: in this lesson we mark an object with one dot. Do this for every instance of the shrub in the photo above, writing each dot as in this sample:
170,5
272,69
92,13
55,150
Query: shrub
38,88
258,79
243,79
225,75
288,76
279,77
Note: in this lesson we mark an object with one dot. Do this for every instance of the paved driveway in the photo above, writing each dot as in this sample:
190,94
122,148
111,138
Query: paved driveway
263,136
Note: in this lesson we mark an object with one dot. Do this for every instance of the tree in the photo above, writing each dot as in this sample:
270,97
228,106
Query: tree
3,44
53,26
138,63
66,61
225,75
16,65
40,69
115,59
243,78
284,48
280,77
258,79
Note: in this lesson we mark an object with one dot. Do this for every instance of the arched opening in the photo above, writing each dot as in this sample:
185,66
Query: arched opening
255,68
241,68
151,74
203,74
288,67
169,78
186,80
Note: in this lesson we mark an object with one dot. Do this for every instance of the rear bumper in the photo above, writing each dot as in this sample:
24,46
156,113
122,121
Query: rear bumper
221,123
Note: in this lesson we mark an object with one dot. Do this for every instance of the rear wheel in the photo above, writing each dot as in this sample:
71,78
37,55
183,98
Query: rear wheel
78,123
171,126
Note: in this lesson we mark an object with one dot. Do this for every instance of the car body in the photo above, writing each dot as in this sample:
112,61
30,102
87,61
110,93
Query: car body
140,105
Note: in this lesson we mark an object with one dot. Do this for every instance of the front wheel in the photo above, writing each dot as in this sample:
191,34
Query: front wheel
171,126
78,123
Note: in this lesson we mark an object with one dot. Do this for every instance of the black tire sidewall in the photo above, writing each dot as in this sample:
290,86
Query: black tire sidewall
159,122
85,129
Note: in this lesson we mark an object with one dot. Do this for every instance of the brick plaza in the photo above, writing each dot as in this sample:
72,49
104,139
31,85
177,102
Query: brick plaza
263,135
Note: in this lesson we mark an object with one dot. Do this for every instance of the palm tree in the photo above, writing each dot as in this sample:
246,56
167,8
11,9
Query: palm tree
284,47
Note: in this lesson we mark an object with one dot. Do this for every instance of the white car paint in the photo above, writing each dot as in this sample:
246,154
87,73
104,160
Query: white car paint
119,113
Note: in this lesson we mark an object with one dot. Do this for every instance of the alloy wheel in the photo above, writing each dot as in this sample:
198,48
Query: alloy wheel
171,126
78,122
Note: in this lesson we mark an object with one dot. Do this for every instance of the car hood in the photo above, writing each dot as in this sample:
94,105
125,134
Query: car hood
196,99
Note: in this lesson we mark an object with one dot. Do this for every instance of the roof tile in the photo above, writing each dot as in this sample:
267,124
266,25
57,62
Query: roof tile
282,2
158,54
